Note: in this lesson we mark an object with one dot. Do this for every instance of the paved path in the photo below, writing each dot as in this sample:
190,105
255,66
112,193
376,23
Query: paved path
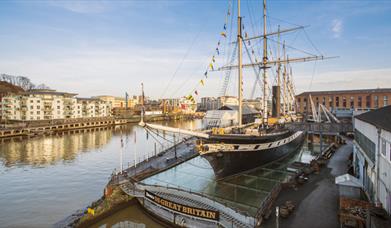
317,200
184,151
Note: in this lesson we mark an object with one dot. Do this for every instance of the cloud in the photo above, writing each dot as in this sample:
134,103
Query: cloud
337,27
80,6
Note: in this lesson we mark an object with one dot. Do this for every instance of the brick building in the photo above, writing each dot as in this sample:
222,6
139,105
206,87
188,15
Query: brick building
352,100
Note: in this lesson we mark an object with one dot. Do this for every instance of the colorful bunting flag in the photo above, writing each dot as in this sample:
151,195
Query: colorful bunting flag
245,35
223,34
225,27
211,66
206,74
91,211
217,50
213,58
196,93
218,43
202,81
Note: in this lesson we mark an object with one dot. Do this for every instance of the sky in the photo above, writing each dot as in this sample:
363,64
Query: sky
111,47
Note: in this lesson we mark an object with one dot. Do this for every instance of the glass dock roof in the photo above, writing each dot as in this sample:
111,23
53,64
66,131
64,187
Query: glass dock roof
244,192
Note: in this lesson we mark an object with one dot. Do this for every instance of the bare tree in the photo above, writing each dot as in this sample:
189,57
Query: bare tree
21,81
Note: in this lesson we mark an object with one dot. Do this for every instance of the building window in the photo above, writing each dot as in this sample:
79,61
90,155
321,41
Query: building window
58,101
31,107
344,102
359,101
38,107
383,148
38,112
38,101
366,144
38,118
376,98
385,100
298,99
336,102
368,101
323,101
31,113
330,102
58,107
352,102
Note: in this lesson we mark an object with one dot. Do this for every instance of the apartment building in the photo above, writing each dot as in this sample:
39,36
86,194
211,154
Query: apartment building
119,102
50,104
354,100
211,103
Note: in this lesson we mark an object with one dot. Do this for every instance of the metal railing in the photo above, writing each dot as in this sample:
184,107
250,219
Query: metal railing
228,213
322,127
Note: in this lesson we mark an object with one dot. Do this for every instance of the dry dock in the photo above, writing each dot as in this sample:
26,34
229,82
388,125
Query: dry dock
185,192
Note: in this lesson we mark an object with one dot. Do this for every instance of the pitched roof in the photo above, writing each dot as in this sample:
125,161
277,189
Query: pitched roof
334,92
380,118
49,92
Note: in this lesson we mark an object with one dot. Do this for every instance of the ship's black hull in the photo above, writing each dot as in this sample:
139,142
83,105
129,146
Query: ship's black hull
226,163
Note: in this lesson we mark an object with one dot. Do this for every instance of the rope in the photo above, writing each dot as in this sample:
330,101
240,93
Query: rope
313,74
181,62
157,134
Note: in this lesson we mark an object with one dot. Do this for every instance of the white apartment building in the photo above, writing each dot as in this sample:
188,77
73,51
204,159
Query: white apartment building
50,104
372,154
211,103
119,102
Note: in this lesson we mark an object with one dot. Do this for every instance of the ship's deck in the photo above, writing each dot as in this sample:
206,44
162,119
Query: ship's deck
244,192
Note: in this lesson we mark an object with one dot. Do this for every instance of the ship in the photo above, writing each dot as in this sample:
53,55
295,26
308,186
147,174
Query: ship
246,146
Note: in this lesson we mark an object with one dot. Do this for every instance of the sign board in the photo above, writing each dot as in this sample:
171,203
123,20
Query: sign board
180,208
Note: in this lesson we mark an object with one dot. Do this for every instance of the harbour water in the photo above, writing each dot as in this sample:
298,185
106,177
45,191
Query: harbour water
46,178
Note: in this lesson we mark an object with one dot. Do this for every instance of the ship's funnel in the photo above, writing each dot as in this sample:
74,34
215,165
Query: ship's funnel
276,102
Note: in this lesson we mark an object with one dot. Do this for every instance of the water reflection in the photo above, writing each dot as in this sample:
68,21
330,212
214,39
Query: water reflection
65,146
131,216
45,150
44,179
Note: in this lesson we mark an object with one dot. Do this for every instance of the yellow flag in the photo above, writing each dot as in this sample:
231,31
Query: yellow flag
211,66
202,82
91,211
223,34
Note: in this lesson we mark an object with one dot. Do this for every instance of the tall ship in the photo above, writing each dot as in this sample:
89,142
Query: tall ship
245,146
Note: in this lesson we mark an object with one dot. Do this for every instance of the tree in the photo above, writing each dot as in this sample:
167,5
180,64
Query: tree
21,81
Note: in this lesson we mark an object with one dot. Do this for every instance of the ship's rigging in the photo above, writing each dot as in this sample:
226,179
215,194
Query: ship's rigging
246,146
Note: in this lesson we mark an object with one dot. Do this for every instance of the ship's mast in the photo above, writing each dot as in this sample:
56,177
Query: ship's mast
284,85
240,70
142,104
278,59
265,59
